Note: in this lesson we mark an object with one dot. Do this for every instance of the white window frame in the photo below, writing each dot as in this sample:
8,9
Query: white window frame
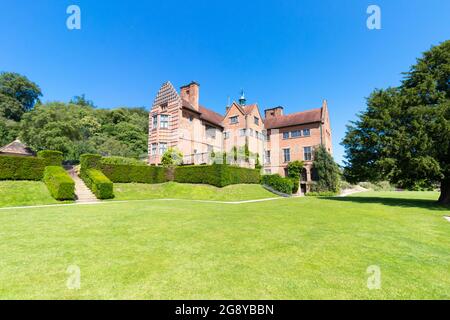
161,150
232,118
161,122
310,153
284,155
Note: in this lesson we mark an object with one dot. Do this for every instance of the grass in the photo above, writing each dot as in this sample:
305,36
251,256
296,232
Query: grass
24,193
296,248
173,190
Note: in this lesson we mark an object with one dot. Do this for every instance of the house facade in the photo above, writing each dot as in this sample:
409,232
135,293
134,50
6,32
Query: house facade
243,134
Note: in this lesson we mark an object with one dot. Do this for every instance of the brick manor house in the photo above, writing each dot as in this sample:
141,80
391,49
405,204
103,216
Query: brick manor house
177,120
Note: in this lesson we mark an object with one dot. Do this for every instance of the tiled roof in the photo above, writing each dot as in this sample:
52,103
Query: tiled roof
314,115
17,147
210,116
205,113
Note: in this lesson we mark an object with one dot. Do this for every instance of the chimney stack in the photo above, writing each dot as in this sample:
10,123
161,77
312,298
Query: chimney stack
191,93
274,112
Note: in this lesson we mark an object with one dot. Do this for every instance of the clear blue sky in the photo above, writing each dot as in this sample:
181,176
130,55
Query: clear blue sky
291,53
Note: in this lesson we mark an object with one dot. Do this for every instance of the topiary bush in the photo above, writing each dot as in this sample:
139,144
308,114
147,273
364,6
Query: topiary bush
51,157
134,173
219,175
21,168
99,184
90,161
278,183
122,160
59,183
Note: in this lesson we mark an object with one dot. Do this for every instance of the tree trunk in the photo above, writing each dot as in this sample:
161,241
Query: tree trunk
445,192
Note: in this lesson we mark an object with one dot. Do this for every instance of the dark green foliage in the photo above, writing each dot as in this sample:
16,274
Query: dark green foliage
90,161
59,183
99,184
321,194
121,173
51,157
77,128
327,171
9,130
218,175
278,183
17,95
294,172
404,135
21,168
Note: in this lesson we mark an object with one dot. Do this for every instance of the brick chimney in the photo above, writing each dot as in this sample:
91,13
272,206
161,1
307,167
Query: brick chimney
274,112
191,93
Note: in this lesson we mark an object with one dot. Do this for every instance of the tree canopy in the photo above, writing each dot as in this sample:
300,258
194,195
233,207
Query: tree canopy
327,171
404,134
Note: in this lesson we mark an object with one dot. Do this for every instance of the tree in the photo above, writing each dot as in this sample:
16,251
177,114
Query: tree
327,171
294,171
172,157
17,95
404,134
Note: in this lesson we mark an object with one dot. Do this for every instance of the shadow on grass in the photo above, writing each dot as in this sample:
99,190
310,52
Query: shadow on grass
395,202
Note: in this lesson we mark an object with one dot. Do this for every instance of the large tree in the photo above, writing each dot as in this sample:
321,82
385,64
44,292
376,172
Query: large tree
17,95
404,134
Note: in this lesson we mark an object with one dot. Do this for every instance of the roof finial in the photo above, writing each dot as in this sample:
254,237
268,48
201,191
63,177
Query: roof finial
242,99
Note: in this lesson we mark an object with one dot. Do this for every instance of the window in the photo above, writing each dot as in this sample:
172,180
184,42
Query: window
191,118
226,135
242,132
164,121
210,132
257,135
296,133
154,148
234,119
306,132
155,121
285,135
307,153
267,135
162,148
250,133
268,171
267,157
287,155
164,107
256,119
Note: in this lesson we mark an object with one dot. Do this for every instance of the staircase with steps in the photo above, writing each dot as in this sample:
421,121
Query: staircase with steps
82,192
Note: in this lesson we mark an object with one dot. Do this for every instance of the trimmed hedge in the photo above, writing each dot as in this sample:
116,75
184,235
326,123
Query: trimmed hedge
122,173
59,183
21,168
278,183
52,158
99,184
122,160
90,161
219,175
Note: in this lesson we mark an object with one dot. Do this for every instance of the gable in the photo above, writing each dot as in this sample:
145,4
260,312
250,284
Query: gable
166,94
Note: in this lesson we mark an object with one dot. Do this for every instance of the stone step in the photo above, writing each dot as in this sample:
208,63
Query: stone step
82,192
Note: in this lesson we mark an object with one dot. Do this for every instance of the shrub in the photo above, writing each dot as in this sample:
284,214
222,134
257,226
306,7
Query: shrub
21,168
90,161
99,184
278,183
121,173
52,158
219,175
294,171
59,183
172,157
325,171
122,160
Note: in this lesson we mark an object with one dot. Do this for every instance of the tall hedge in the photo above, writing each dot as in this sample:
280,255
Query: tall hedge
21,168
278,183
99,184
51,157
90,161
59,183
122,173
219,175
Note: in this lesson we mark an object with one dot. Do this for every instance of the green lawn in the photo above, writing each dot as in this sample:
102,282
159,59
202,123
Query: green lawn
296,248
173,190
24,193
